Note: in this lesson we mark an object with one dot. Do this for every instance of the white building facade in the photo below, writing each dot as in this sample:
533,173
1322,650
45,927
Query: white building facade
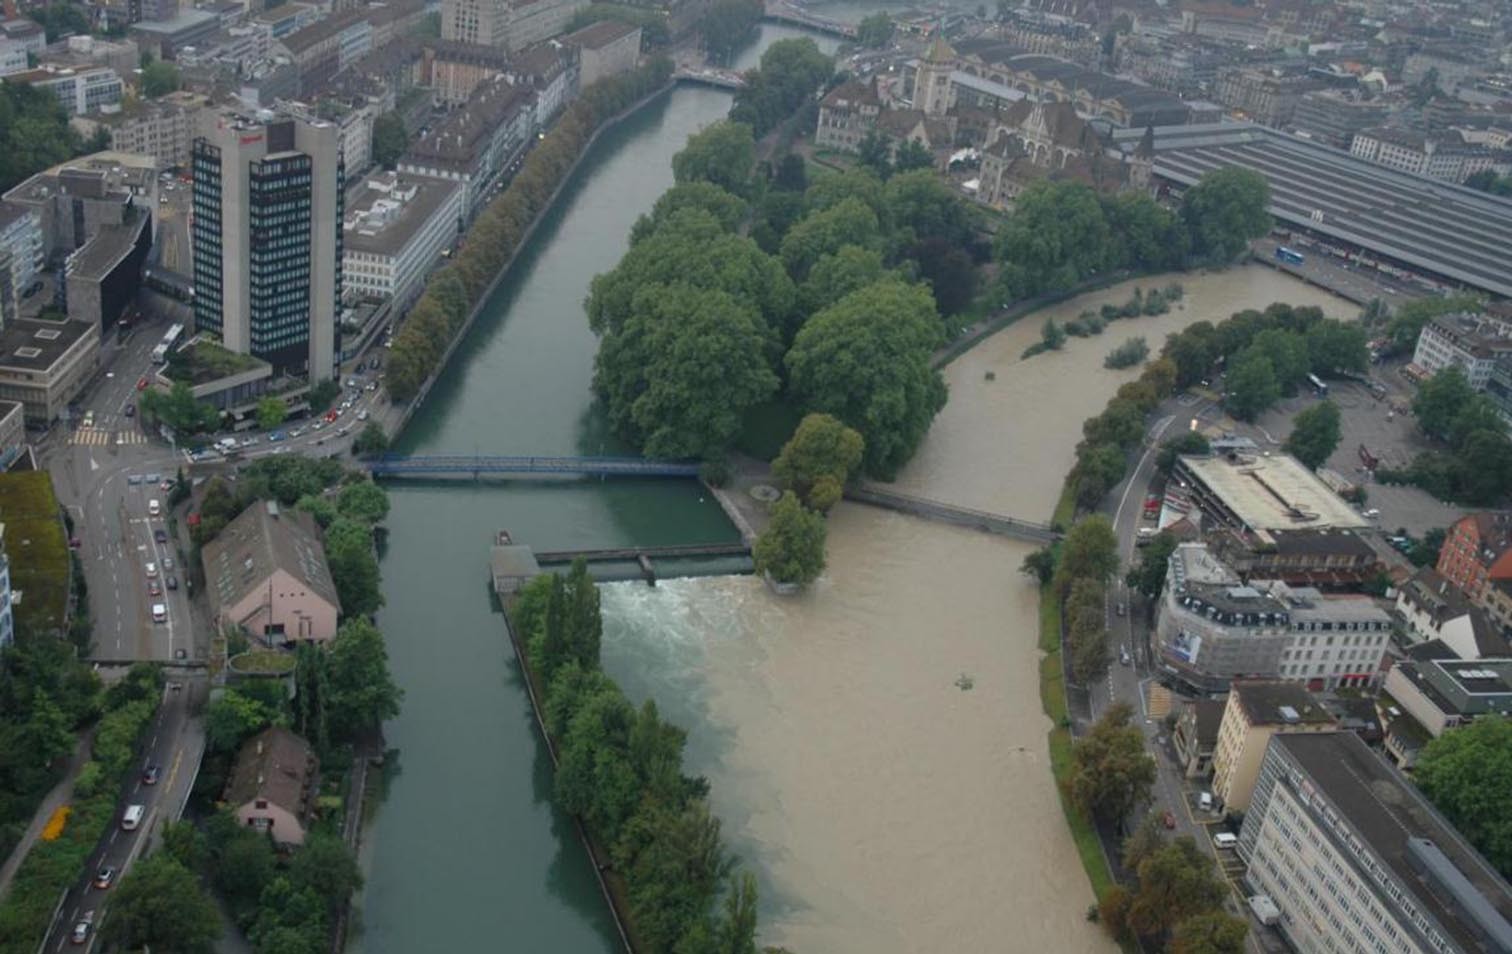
396,233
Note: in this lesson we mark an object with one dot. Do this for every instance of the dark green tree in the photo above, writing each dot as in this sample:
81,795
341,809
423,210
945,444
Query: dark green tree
159,79
1440,399
866,360
910,155
874,152
728,25
726,207
360,692
837,274
390,139
875,31
271,412
1212,932
1315,434
354,567
161,904
1462,772
1224,211
1252,387
1334,346
1090,551
850,223
1148,577
363,500
371,439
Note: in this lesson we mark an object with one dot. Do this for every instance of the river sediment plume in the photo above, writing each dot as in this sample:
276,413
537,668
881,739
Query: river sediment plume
877,746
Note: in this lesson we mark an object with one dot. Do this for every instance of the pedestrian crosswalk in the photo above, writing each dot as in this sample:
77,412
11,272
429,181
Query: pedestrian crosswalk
104,437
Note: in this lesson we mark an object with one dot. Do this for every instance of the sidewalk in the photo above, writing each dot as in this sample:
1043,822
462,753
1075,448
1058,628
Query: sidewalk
59,795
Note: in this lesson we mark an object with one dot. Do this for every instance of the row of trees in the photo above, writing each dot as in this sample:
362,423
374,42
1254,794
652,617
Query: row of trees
451,293
1176,899
1063,233
1102,455
620,771
789,73
1267,354
125,711
728,25
1476,465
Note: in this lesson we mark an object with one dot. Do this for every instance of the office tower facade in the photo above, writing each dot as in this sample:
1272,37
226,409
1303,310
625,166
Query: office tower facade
268,205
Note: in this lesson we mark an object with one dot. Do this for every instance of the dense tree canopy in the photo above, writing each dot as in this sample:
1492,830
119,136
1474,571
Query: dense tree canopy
161,904
1148,577
727,25
1252,386
1466,773
359,691
726,207
865,360
159,78
836,274
875,31
848,223
1224,211
681,372
692,249
721,153
1056,237
1090,551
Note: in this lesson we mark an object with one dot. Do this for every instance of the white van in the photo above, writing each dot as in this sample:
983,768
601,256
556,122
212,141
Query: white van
133,817
1205,801
1225,840
159,613
226,444
154,508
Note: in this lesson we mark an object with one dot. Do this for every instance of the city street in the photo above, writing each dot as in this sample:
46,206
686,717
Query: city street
175,743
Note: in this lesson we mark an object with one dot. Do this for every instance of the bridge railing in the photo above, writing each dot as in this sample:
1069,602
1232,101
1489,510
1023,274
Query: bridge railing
923,506
398,464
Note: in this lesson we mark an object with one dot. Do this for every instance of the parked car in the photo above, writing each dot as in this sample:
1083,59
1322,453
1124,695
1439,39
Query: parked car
275,436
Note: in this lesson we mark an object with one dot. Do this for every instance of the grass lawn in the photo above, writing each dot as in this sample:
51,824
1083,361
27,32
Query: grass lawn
38,551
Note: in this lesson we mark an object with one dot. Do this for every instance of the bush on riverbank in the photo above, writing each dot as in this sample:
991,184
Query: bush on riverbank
620,770
454,291
1131,352
52,866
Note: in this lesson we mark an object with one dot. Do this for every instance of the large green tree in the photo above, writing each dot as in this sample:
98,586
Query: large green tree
790,73
1224,211
875,31
34,130
390,139
1334,346
1056,236
271,412
849,223
682,371
726,207
721,153
1089,551
1466,773
1111,770
791,548
1440,399
354,567
727,25
159,79
1315,434
1148,577
836,274
161,904
360,692
1212,932
866,360
363,500
819,459
1252,386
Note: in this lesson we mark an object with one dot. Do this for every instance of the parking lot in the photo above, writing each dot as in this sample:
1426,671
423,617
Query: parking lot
1390,435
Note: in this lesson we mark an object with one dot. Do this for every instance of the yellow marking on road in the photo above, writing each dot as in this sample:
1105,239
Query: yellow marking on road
178,756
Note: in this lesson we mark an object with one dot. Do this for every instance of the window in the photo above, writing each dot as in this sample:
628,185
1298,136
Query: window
260,804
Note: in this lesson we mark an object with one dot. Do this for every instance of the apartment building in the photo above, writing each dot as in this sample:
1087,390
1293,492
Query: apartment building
80,91
21,254
472,145
1433,609
1477,550
1335,116
1255,712
483,22
1473,343
1337,641
533,21
1356,860
1445,156
161,128
268,203
607,48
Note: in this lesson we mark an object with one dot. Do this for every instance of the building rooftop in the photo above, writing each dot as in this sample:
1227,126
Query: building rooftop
1450,881
1266,702
188,19
1442,601
104,251
390,209
1480,335
97,176
598,35
1208,716
278,766
262,539
455,142
322,30
1272,493
1445,229
34,345
1203,584
1306,603
1494,530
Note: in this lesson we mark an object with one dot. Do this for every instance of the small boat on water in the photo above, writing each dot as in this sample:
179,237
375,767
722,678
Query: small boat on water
502,538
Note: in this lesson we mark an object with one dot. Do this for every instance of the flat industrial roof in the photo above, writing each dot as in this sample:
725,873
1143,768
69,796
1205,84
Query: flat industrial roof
31,344
1446,229
1273,493
430,194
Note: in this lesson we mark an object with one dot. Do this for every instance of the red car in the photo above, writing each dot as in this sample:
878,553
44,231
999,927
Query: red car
332,415
1168,819
142,384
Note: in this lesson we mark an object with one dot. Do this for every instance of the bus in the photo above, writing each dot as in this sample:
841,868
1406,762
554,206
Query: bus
169,342
1319,386
1289,255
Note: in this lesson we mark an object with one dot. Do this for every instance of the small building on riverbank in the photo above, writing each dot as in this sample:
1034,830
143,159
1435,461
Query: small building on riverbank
267,575
274,784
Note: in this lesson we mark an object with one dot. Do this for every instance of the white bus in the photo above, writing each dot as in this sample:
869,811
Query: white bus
169,342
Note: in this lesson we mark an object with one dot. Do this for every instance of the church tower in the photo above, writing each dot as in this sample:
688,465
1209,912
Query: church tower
932,81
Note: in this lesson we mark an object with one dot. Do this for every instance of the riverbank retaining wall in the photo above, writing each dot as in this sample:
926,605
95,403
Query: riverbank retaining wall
525,239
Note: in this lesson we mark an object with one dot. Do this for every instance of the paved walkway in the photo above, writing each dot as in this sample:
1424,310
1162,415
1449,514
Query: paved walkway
60,794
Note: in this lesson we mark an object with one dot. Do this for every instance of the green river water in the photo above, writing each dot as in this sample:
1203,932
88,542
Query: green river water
466,851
